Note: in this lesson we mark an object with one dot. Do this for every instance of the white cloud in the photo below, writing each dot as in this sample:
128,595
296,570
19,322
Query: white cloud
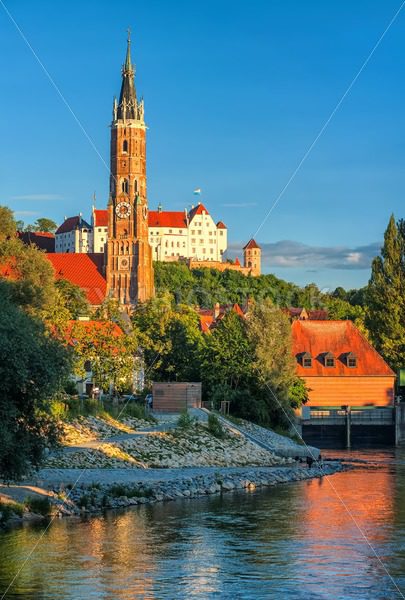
291,254
38,197
25,213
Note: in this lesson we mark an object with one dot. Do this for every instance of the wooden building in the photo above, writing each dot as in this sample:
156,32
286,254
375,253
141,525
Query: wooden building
339,366
176,396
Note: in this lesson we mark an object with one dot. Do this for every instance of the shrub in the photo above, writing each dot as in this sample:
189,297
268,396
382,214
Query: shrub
40,506
9,510
120,490
215,427
185,421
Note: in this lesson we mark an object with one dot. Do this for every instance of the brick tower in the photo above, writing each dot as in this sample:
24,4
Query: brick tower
129,270
252,257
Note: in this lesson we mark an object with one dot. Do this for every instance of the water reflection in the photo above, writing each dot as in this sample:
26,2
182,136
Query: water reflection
293,541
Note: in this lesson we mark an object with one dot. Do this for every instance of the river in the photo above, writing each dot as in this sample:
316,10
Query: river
341,537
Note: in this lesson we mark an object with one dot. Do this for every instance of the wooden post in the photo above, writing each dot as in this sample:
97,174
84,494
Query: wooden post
348,424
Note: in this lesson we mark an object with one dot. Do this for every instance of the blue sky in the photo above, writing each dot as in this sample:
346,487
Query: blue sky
235,93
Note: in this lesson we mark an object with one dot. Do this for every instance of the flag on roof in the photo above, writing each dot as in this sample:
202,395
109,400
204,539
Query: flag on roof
197,191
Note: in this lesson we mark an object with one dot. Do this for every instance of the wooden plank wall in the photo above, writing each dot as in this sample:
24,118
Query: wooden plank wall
354,391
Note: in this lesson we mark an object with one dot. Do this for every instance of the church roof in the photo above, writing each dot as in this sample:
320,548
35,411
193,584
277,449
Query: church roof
340,338
127,104
84,270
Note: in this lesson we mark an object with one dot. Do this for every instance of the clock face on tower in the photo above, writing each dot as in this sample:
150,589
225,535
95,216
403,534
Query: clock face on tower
123,209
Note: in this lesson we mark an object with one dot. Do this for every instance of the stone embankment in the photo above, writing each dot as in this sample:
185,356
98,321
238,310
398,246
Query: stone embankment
76,499
279,444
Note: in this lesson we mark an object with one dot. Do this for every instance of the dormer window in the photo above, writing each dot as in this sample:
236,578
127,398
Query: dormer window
351,360
329,360
306,360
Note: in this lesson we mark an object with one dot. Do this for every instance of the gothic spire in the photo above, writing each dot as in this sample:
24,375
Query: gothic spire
127,104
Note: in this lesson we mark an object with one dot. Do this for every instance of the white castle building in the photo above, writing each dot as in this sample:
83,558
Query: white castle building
172,235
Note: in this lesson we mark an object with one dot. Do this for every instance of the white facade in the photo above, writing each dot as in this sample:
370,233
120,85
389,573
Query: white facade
99,221
194,235
74,236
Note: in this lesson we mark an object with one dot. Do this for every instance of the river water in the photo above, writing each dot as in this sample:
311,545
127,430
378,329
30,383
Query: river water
341,537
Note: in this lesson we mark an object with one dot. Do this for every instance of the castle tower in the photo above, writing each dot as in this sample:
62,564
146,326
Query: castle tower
129,270
252,257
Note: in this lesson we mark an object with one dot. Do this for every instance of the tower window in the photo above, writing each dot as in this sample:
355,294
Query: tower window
124,186
125,146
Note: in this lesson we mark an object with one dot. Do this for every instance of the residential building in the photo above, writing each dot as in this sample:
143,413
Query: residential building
42,239
75,235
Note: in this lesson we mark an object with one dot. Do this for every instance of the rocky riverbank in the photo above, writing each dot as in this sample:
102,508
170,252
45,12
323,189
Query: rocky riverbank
71,496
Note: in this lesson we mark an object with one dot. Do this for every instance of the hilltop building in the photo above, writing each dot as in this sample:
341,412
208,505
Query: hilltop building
75,235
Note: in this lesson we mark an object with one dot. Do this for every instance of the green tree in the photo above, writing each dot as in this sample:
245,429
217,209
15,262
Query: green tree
170,338
386,296
33,366
73,297
269,331
45,224
110,352
7,223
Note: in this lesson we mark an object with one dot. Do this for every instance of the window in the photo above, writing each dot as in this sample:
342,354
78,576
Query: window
193,240
101,239
329,360
212,250
125,146
124,186
351,360
221,233
199,232
170,230
306,360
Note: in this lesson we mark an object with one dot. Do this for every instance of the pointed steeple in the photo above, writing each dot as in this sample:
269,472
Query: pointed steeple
127,104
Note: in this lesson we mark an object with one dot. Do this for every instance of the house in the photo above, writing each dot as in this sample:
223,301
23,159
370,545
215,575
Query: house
210,317
303,314
42,239
339,366
75,235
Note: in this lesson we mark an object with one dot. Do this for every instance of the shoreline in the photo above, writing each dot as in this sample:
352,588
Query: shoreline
71,496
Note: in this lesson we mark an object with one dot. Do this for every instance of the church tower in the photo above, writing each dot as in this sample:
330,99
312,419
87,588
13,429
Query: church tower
129,270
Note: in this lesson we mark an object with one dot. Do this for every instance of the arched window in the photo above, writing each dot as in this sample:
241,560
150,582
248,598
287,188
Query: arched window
124,186
125,146
135,186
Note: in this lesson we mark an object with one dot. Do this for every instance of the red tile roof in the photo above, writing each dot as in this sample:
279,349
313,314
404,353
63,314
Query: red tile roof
109,327
84,270
42,239
221,225
72,223
167,219
100,218
197,210
251,244
339,338
303,313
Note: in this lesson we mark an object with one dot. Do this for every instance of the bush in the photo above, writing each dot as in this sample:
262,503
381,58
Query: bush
9,510
215,427
185,421
40,506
